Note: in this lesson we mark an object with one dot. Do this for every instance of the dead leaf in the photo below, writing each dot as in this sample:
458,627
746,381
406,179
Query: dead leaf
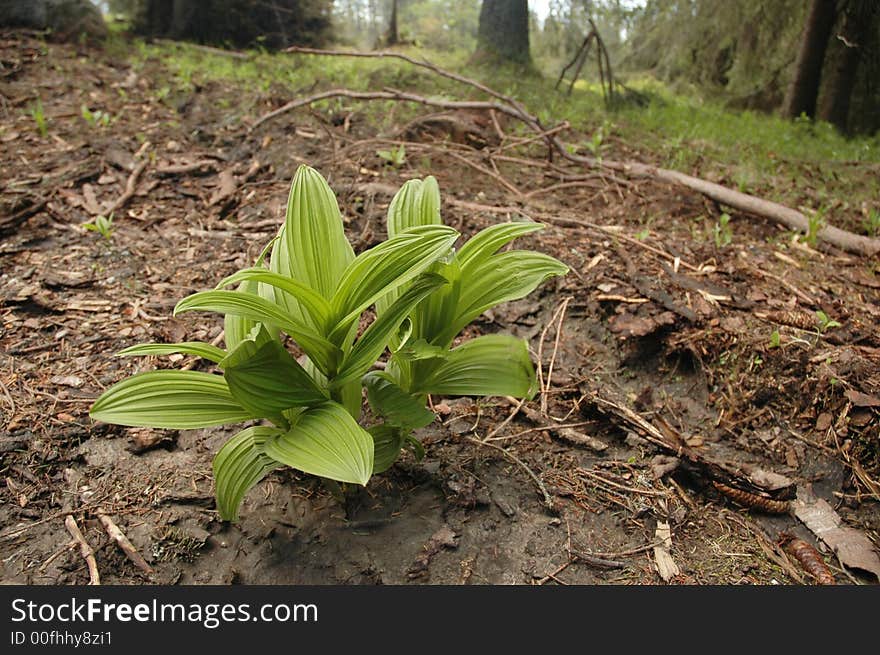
662,465
853,548
227,186
824,421
767,480
68,381
860,399
628,325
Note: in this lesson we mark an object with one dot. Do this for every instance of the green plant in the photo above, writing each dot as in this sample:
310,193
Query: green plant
775,340
722,231
825,323
39,116
315,290
871,223
815,222
95,118
101,224
394,156
596,142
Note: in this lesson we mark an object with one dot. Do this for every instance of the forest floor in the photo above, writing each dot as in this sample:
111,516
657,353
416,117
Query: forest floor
697,419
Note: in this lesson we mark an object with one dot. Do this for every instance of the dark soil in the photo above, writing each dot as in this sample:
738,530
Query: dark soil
657,320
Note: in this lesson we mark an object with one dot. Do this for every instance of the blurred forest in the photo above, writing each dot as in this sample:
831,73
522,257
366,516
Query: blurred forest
745,54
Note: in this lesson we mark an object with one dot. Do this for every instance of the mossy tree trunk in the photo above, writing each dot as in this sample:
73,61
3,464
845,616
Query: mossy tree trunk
503,32
804,88
846,55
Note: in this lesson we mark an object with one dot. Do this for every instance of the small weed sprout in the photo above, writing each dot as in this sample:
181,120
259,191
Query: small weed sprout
315,290
597,141
101,224
394,156
871,223
722,231
95,118
815,222
825,323
39,116
775,340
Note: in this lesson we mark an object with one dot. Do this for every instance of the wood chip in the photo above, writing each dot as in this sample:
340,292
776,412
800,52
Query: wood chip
666,566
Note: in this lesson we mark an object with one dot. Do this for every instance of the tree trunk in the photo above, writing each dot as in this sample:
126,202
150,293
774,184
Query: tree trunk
845,54
804,88
503,33
392,37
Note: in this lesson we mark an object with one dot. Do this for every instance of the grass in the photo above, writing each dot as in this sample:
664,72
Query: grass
799,163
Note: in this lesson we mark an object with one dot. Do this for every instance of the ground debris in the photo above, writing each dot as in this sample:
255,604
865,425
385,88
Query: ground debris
851,546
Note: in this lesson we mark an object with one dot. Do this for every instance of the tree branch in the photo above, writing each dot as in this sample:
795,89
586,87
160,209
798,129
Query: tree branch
506,105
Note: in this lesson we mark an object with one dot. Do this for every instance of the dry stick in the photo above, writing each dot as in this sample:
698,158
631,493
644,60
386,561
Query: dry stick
563,185
510,417
543,135
130,186
495,176
84,549
737,200
553,356
124,544
548,501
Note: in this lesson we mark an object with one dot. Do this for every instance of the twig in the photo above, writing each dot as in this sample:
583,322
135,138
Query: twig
542,385
84,549
495,176
564,125
500,426
548,500
8,398
56,555
553,356
130,186
124,544
621,487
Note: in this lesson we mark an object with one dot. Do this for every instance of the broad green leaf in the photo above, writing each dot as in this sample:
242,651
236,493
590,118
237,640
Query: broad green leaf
314,303
326,441
386,267
312,248
169,399
239,465
392,403
431,317
492,365
387,442
501,278
197,348
375,338
266,379
487,242
416,203
235,327
420,349
258,309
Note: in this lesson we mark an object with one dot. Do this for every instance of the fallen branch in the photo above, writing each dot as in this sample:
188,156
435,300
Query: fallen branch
506,105
85,549
124,544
